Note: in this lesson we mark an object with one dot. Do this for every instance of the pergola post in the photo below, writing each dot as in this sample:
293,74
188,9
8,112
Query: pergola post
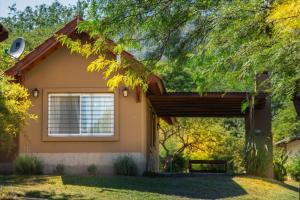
258,124
261,134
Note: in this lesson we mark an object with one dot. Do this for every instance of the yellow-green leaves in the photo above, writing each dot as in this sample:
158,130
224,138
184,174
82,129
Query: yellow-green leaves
14,106
285,16
127,72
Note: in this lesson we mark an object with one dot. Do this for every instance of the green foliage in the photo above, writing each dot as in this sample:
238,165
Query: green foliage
285,122
178,78
59,169
255,159
279,164
203,138
92,170
224,43
293,167
14,105
128,72
232,147
28,165
190,136
126,166
177,163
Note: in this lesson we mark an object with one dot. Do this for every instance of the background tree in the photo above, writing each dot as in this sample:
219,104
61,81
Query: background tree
201,138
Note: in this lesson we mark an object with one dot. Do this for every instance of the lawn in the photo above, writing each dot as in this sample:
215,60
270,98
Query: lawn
114,188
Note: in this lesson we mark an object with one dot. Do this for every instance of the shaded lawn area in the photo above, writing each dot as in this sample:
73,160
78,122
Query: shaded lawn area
114,188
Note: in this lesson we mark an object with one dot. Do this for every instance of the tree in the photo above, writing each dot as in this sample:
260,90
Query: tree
286,122
225,43
14,106
153,28
195,139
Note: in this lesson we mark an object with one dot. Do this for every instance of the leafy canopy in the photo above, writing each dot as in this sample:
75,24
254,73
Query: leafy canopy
224,43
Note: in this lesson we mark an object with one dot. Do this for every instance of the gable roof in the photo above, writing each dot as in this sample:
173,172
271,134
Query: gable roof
41,51
156,85
3,33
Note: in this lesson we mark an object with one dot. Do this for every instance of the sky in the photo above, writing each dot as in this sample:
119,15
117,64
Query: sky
22,4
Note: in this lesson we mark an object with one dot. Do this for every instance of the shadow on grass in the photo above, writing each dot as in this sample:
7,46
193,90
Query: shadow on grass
207,187
52,195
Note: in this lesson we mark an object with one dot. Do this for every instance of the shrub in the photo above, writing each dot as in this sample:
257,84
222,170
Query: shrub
28,165
177,164
293,167
92,170
125,166
59,169
279,164
279,172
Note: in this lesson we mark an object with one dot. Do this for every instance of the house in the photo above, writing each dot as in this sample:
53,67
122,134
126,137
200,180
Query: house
291,145
80,121
3,33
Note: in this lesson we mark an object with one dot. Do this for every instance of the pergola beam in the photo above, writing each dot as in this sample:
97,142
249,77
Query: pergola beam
210,104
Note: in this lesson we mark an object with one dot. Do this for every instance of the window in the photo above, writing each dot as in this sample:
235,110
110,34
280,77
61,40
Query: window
81,114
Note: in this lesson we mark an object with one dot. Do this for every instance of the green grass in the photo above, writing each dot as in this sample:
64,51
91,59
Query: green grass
114,188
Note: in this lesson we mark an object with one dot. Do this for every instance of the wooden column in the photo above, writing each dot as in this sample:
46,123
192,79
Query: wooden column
259,130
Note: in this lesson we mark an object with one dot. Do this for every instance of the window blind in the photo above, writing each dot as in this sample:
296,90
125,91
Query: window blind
81,114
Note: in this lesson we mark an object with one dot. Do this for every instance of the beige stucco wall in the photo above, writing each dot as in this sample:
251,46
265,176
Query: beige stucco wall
293,148
63,71
152,150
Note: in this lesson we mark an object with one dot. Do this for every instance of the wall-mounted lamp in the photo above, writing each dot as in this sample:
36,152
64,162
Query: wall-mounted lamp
35,92
257,131
125,92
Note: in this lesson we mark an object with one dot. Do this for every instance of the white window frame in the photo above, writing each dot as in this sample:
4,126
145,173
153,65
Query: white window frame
81,134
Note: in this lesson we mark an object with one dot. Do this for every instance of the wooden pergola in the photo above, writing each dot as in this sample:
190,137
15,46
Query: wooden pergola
211,104
169,105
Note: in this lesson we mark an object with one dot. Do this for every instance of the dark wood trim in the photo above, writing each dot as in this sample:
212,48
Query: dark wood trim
3,33
138,92
210,104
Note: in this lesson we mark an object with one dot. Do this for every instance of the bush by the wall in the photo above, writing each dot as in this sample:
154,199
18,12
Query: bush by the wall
59,169
92,170
28,165
293,167
125,166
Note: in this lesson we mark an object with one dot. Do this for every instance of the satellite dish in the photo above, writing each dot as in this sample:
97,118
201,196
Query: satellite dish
17,48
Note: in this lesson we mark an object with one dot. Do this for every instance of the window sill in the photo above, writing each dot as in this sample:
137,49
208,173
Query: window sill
77,138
